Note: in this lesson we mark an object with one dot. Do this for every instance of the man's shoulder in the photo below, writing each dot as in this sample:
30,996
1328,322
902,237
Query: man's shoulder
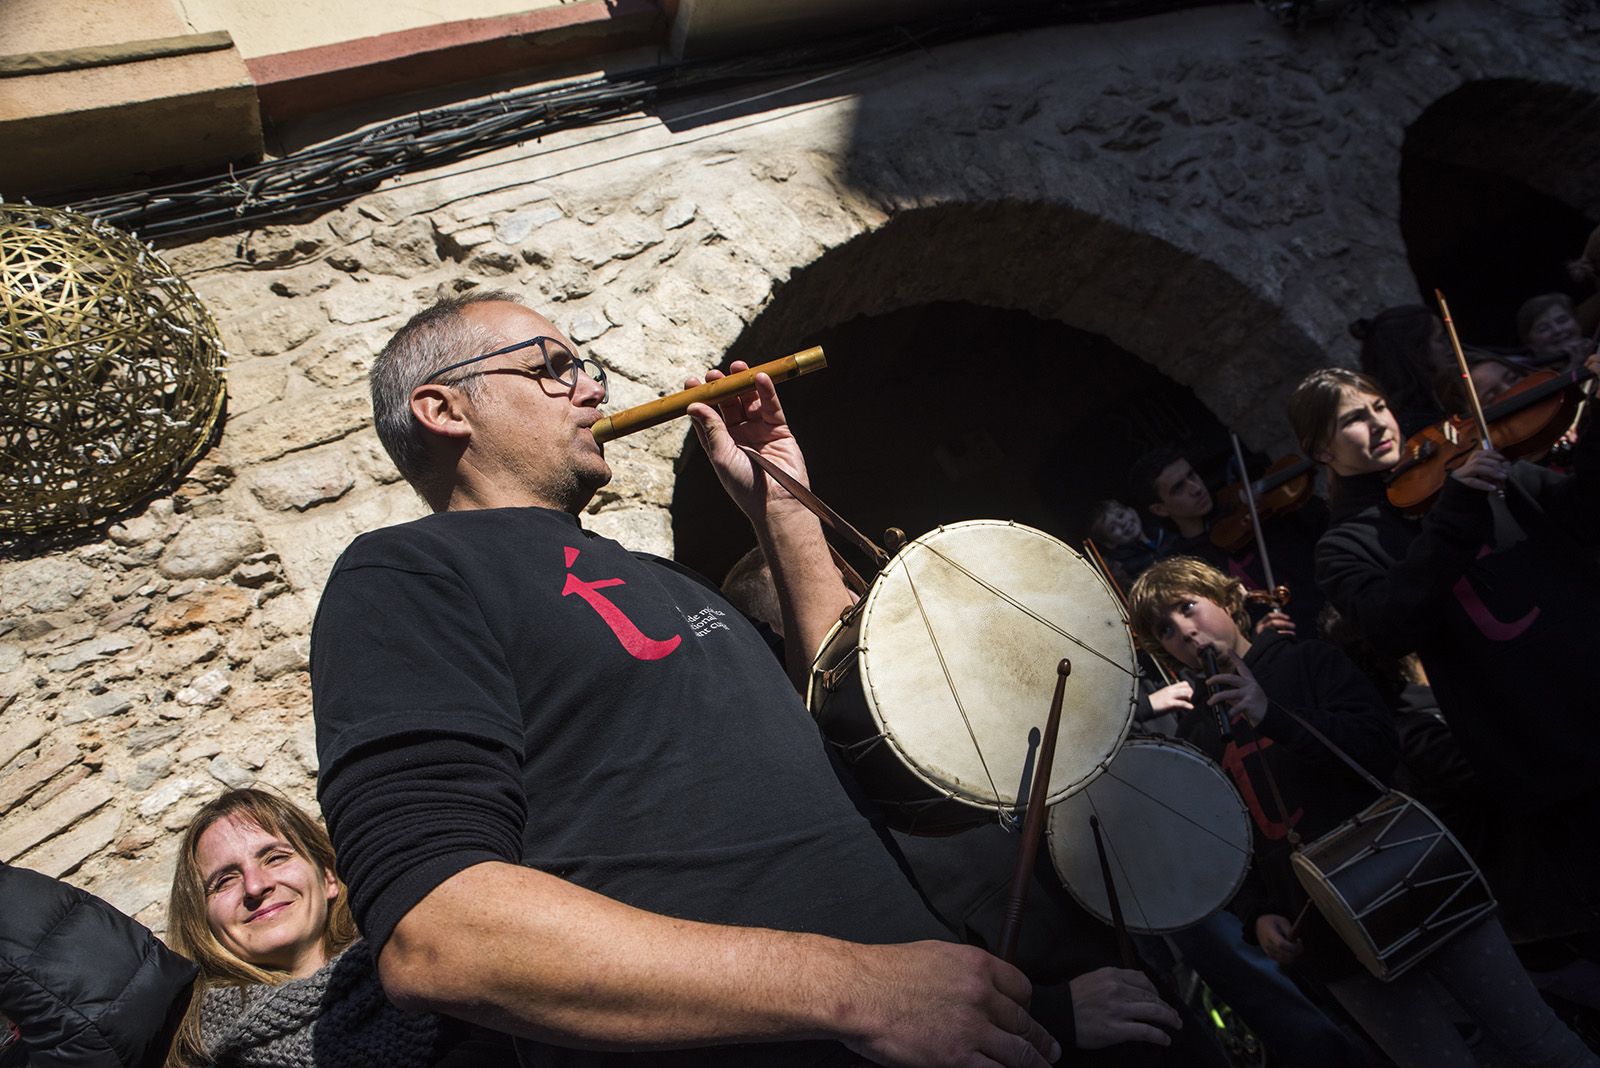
443,541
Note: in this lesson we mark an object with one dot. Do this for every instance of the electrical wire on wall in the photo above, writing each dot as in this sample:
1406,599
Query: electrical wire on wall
344,168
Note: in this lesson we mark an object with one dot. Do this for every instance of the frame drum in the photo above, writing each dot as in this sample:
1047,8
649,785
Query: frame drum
1177,836
936,688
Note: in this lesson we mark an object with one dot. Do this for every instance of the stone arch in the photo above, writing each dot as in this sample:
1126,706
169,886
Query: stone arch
1184,315
1499,187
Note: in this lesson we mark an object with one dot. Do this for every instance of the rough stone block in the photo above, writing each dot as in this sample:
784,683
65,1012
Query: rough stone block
230,774
143,739
28,828
172,656
205,691
140,885
45,584
55,756
515,228
202,750
88,652
149,771
61,784
203,608
679,213
207,548
97,707
268,332
587,325
279,429
302,480
167,796
20,735
62,854
343,359
11,657
284,657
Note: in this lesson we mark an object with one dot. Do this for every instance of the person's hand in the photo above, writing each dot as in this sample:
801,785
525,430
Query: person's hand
1277,620
935,1004
755,419
1483,469
1275,933
1591,363
1178,697
1235,688
1113,1005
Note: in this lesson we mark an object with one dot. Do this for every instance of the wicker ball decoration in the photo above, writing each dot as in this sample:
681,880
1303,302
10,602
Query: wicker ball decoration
110,371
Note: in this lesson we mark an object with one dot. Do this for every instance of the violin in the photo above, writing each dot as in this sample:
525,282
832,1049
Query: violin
1526,421
1284,486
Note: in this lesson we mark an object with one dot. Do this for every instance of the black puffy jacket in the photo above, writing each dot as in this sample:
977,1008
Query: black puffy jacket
87,986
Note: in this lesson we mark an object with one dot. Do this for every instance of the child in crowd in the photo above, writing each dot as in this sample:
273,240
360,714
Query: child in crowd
1120,535
1169,487
1265,691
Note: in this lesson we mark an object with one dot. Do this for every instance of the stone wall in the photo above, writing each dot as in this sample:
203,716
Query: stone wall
1209,193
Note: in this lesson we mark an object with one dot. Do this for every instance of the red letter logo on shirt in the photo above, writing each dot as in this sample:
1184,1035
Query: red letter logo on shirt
632,638
1490,625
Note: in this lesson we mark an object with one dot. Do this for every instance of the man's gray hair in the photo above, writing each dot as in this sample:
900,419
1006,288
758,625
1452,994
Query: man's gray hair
435,337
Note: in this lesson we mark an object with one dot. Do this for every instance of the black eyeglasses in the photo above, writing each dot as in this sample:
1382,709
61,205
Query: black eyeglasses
560,363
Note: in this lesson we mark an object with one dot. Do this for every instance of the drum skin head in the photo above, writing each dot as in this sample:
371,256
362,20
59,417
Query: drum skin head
959,641
1177,837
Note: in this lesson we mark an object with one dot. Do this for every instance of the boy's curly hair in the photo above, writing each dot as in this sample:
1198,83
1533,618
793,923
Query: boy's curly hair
1165,583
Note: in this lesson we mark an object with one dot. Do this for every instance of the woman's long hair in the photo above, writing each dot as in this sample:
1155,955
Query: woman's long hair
190,933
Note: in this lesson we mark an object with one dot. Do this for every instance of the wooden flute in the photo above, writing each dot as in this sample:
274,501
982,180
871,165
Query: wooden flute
673,405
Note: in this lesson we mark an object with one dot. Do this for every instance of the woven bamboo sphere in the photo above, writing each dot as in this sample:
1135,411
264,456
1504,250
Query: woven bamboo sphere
110,371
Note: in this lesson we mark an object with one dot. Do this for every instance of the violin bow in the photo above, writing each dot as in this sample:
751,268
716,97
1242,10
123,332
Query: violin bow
1273,589
1092,551
1466,372
1466,377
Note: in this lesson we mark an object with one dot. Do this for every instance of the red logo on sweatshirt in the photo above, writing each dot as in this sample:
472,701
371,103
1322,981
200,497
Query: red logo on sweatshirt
1233,763
634,640
1490,625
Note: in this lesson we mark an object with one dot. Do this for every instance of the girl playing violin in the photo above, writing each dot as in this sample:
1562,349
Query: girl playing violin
1496,595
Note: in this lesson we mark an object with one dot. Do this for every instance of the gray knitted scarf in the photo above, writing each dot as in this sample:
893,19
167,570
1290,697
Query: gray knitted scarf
335,1018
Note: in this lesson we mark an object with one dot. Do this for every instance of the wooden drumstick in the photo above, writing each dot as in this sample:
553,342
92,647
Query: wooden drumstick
653,413
1033,823
1300,918
1118,924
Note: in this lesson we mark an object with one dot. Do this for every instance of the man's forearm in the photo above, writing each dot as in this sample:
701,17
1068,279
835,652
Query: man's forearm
810,591
530,954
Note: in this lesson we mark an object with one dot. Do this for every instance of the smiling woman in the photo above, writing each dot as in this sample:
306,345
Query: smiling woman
284,977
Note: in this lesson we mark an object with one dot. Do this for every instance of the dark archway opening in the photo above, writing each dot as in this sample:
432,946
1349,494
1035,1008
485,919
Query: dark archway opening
940,412
1499,189
1489,242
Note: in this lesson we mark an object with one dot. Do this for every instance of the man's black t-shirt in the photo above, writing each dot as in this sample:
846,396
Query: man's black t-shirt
663,757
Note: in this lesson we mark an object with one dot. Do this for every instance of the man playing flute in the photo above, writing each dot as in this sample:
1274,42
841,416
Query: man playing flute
574,796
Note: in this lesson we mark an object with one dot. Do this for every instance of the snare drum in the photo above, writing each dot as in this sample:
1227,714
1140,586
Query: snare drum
936,688
1394,883
1177,837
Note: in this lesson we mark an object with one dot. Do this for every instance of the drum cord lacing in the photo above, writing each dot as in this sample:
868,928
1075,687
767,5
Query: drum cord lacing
1025,610
994,791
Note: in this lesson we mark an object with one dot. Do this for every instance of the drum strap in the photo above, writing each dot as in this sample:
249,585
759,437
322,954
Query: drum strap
1327,743
829,517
